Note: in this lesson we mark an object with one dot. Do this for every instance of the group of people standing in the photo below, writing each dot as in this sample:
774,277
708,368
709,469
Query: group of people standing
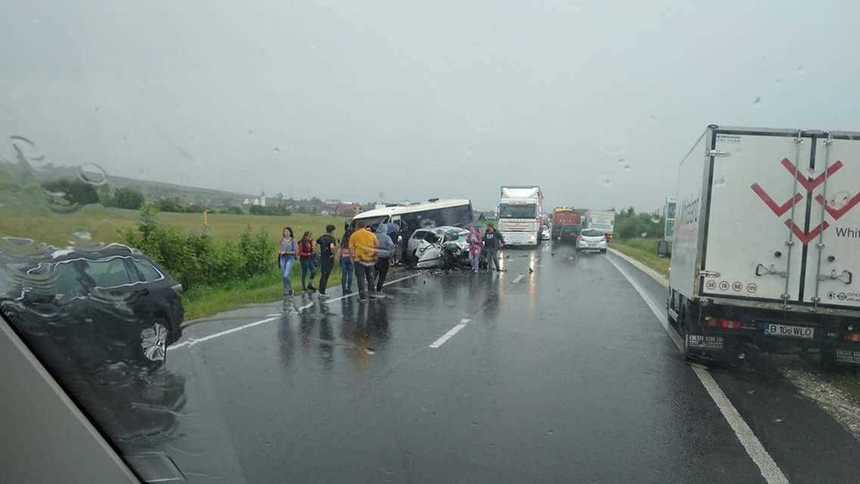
363,252
366,253
491,241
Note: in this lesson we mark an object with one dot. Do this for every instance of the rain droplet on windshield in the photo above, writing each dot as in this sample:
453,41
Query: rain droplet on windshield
757,100
82,235
627,167
92,173
276,149
606,181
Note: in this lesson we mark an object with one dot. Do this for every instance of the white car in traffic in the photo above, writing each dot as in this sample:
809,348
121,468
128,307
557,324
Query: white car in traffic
592,240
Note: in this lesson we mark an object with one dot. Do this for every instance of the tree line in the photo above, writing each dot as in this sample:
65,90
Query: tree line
79,192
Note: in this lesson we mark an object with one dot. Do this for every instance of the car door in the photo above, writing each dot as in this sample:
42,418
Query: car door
121,308
417,240
159,291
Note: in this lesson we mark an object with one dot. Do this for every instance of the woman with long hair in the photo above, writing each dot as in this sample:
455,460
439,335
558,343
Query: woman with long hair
286,258
346,265
306,259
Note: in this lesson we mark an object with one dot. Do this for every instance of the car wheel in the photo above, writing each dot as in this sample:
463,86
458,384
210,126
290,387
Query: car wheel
153,342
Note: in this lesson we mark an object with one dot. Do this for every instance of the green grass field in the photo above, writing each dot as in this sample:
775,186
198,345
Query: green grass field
645,251
105,225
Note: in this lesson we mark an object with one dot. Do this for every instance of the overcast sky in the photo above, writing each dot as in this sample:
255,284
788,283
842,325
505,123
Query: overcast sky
594,101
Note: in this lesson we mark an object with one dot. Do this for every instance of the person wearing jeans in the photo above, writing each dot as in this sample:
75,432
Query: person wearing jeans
286,258
384,252
362,244
493,241
346,265
476,244
306,258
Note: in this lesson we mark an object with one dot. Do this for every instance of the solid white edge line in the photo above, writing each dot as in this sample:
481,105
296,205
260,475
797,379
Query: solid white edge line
753,446
445,337
674,336
192,342
768,467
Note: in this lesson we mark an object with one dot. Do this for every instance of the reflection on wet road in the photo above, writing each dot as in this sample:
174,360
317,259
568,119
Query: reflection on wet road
555,370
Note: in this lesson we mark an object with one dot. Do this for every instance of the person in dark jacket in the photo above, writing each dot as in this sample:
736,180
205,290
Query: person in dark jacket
328,248
384,251
493,241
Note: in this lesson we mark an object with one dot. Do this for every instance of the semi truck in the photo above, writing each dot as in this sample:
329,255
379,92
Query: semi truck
566,223
520,214
766,244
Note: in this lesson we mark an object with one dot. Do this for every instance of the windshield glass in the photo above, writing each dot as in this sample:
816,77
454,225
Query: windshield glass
517,211
184,290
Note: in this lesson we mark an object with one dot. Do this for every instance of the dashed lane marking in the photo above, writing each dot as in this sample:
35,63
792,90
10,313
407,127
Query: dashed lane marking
272,317
450,334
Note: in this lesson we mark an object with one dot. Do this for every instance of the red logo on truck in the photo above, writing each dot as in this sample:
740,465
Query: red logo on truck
810,184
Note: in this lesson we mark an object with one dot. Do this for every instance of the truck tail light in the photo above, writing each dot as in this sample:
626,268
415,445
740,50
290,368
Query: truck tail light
578,238
723,323
853,337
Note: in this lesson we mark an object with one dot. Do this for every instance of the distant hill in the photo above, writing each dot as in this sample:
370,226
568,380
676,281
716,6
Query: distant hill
153,190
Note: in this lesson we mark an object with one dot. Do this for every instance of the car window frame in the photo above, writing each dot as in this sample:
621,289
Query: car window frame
133,261
104,259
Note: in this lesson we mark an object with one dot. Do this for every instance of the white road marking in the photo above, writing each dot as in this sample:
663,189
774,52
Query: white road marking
192,342
518,279
652,305
272,317
450,334
753,446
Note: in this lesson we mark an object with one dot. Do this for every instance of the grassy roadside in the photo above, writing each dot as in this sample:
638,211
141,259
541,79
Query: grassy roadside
205,301
106,224
645,251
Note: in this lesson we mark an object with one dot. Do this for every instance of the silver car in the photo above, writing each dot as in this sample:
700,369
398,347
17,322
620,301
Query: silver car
591,239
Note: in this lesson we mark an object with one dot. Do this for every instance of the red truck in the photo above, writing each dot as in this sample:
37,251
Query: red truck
566,223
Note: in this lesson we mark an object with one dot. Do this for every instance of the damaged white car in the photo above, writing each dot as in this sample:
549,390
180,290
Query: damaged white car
439,247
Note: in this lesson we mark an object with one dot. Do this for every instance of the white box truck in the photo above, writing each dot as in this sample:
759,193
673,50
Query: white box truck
767,243
520,214
603,220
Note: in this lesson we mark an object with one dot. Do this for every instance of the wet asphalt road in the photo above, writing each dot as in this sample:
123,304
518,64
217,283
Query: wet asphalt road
562,374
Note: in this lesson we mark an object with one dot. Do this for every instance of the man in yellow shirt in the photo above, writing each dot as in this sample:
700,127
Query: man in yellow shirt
362,243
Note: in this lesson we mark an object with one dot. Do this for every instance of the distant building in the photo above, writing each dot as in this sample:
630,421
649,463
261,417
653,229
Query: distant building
347,209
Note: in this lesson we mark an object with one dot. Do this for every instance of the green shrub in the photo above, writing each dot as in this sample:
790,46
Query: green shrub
198,259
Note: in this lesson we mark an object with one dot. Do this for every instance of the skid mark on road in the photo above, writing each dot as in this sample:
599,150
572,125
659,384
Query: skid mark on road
750,442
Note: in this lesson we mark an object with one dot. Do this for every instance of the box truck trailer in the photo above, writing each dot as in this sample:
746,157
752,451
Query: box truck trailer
766,244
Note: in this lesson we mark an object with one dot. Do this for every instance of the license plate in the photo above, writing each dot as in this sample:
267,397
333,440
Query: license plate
704,342
804,332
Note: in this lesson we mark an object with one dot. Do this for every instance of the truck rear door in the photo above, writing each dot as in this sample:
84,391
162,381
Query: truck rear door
756,216
833,254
